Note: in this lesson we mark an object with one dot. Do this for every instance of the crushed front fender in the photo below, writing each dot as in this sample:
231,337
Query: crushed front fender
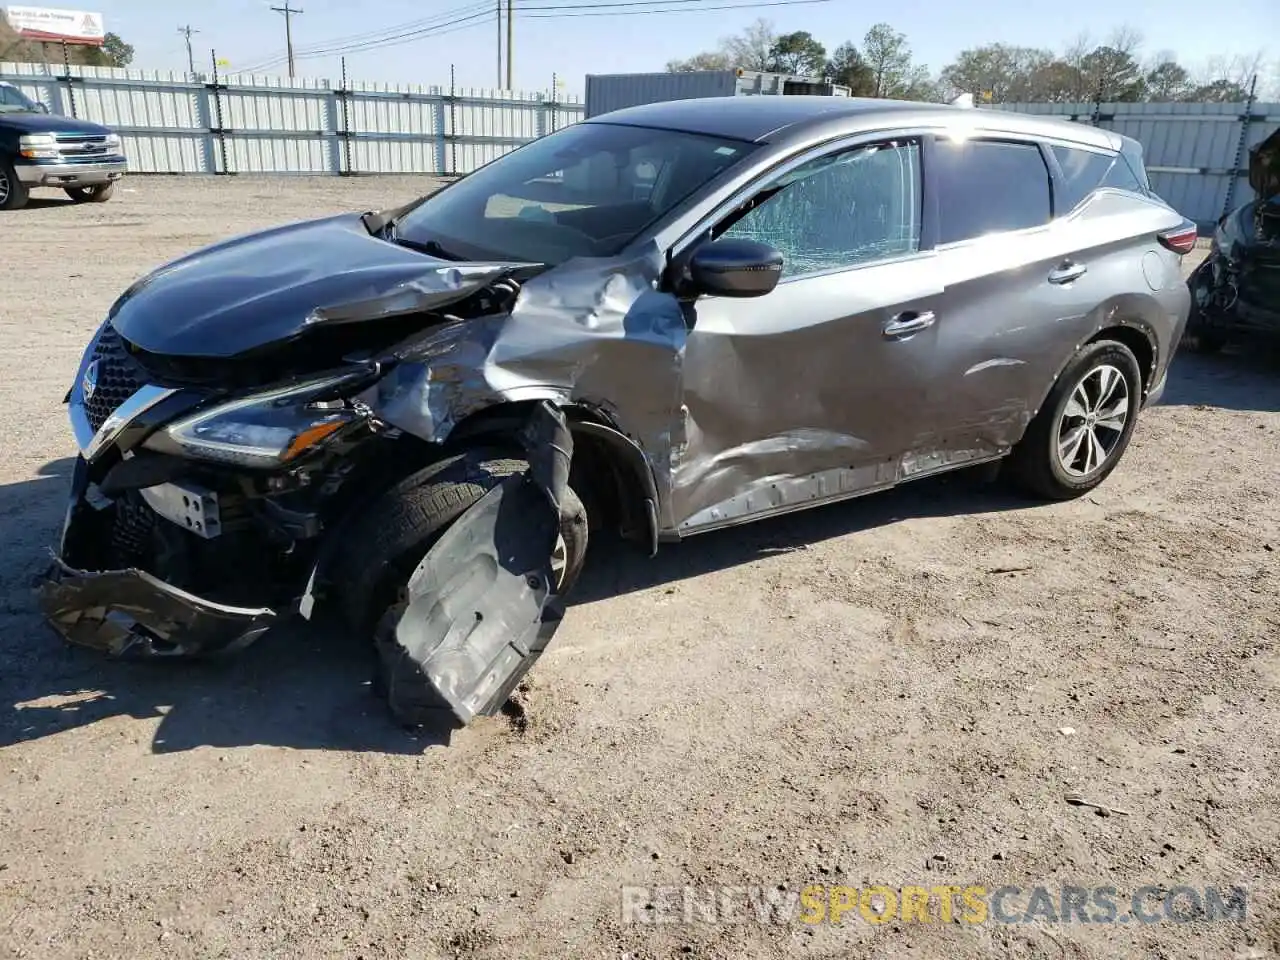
131,614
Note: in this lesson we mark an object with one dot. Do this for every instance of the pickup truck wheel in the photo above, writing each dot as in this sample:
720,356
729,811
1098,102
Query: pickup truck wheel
13,192
98,193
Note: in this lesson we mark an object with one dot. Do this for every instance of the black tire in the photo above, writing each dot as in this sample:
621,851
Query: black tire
97,193
1035,464
13,192
393,536
1200,335
1204,342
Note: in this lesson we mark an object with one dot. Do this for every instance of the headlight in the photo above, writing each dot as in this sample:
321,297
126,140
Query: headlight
38,146
265,429
113,141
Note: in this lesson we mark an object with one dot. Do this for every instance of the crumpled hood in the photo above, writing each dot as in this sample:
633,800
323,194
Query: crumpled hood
263,288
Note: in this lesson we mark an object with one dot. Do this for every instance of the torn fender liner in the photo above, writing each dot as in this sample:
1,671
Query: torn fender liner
131,614
480,606
480,609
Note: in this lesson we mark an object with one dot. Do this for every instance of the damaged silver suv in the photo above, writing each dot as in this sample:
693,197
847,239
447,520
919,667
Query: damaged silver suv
665,320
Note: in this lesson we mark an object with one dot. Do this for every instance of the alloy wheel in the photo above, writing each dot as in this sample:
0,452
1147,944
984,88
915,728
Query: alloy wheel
1093,421
4,186
559,560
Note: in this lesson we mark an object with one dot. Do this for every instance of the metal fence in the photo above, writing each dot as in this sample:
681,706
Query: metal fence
1196,153
184,123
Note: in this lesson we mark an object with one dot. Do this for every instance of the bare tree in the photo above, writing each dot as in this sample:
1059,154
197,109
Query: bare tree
753,48
709,60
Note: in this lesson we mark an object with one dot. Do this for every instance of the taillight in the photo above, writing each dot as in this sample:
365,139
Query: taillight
1181,239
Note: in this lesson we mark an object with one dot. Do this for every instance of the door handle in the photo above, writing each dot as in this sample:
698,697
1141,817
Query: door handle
1067,272
905,324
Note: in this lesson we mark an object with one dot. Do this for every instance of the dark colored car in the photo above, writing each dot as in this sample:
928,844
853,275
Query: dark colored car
1236,291
38,149
665,320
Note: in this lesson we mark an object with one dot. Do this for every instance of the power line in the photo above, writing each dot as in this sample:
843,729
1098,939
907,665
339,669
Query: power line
345,45
481,13
593,12
186,32
463,23
288,12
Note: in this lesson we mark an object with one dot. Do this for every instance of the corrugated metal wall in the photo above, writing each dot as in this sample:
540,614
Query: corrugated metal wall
615,91
174,123
1196,153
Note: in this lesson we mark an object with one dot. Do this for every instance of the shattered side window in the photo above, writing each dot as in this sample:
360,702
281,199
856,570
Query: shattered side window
841,210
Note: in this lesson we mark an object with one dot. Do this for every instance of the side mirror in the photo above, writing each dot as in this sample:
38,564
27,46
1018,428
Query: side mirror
42,107
735,268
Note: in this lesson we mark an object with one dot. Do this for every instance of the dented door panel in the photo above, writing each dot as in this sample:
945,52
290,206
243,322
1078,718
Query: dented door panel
800,395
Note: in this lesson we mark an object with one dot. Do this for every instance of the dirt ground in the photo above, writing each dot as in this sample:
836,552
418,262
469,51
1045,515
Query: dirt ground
895,691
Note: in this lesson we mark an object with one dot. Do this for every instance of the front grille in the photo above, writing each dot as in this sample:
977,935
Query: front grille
119,375
83,147
131,532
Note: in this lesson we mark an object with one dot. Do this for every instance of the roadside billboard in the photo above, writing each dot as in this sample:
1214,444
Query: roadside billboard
56,26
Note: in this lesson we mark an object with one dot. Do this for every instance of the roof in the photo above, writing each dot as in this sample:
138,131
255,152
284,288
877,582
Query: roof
765,119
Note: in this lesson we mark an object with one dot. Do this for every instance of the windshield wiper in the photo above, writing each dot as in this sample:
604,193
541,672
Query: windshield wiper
429,247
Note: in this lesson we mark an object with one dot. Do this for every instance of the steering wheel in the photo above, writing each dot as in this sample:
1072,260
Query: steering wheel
553,233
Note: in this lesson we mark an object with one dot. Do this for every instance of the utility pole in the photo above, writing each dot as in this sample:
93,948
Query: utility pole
499,2
288,12
187,31
511,18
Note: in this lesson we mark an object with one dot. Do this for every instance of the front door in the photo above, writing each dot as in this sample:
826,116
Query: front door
816,390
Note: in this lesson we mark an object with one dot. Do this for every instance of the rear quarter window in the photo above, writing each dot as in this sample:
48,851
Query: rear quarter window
990,186
1084,171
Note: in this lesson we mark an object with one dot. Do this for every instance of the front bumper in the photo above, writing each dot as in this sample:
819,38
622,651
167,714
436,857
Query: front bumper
56,173
130,613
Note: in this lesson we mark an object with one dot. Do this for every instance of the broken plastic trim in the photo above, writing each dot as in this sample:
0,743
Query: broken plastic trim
480,607
131,614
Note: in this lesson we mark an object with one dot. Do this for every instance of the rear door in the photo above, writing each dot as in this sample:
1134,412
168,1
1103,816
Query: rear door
1018,291
814,391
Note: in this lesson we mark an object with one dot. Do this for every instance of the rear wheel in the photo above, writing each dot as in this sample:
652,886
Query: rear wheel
97,193
13,192
1085,425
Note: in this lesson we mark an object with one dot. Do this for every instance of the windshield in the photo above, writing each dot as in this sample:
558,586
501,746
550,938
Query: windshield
584,191
12,100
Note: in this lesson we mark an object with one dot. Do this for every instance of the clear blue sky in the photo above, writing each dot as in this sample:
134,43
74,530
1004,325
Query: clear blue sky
246,32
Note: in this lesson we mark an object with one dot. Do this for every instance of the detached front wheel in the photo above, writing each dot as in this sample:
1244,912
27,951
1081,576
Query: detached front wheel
1084,427
393,537
402,525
